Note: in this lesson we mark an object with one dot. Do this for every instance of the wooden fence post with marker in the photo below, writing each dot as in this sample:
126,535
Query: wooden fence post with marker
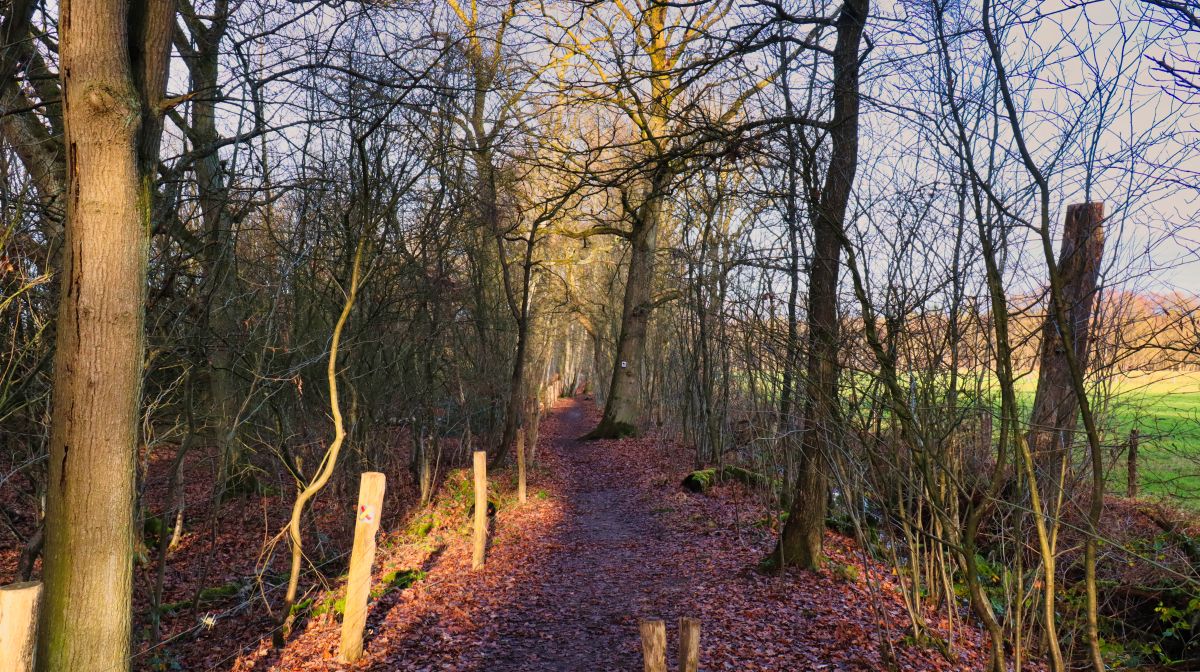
521,465
19,603
358,586
481,510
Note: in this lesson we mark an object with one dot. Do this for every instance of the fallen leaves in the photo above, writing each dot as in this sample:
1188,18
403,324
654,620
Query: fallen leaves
606,538
568,577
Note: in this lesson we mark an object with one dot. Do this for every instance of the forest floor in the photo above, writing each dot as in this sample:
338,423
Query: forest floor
606,538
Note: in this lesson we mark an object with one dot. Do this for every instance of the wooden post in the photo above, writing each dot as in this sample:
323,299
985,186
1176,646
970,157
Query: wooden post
654,645
1131,487
521,465
531,433
689,644
19,604
358,587
481,505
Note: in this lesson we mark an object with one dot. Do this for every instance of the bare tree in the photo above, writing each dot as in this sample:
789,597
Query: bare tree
114,72
800,542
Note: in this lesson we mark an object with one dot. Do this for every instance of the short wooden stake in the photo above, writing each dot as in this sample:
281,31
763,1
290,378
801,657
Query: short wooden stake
1131,486
19,604
521,465
481,512
358,588
654,645
689,644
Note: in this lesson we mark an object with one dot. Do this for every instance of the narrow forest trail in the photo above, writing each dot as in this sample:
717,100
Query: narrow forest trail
582,609
608,538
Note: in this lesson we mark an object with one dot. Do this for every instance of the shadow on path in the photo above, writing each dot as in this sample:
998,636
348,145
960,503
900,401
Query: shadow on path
582,611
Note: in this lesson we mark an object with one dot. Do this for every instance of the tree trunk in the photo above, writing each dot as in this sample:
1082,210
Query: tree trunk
422,464
1055,407
622,407
328,463
114,65
516,385
800,541
221,323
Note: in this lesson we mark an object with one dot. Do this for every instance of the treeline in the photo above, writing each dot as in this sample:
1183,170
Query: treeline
1133,333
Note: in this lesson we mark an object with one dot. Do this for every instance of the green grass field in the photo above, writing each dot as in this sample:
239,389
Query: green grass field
1163,405
1165,408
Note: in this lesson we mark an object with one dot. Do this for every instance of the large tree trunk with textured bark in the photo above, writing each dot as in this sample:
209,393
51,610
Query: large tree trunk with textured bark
1060,398
114,64
800,541
622,407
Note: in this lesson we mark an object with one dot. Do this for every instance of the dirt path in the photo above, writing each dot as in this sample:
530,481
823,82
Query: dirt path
608,538
603,574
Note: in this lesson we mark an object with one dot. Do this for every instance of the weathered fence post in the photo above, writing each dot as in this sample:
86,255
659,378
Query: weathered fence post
358,587
654,645
689,644
19,603
481,512
532,419
1131,487
521,465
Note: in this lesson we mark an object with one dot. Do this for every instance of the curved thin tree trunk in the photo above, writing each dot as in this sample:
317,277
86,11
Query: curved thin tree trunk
325,470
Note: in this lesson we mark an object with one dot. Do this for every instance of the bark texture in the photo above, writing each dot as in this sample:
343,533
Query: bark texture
1055,412
114,65
622,407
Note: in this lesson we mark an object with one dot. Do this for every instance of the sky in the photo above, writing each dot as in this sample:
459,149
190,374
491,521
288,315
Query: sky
1092,102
